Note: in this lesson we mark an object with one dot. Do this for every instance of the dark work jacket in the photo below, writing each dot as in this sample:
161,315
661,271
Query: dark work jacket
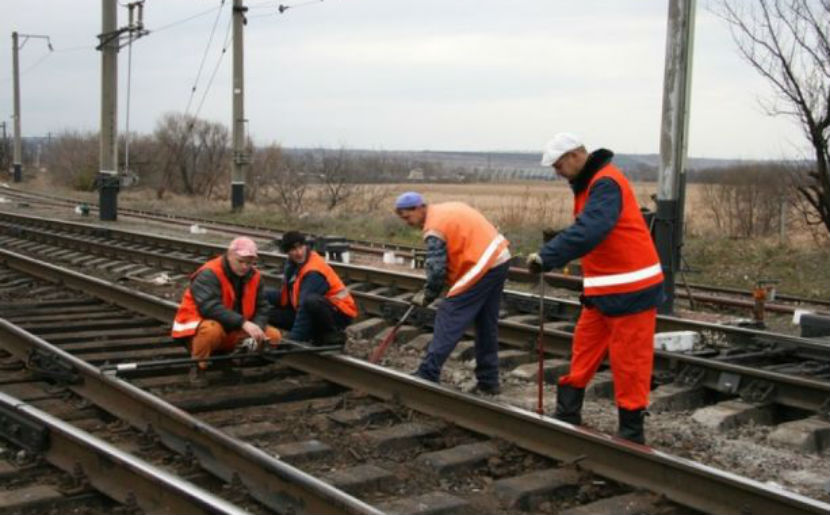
592,225
313,282
207,294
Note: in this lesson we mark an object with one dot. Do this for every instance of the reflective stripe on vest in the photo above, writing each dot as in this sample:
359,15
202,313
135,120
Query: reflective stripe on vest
187,326
626,278
474,246
337,293
188,317
476,270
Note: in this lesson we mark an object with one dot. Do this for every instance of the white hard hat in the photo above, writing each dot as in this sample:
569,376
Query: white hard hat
561,144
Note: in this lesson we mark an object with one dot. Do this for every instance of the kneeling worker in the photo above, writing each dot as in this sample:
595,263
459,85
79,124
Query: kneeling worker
314,304
467,253
224,305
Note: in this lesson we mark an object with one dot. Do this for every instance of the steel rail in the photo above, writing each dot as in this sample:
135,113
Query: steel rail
272,482
680,480
357,273
787,390
365,246
716,375
683,481
116,473
516,274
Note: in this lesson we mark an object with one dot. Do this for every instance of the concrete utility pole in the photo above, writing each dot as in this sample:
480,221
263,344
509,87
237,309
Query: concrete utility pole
5,147
671,189
108,180
240,155
18,143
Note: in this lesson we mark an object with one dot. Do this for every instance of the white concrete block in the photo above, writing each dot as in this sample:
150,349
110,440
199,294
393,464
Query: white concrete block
797,315
676,341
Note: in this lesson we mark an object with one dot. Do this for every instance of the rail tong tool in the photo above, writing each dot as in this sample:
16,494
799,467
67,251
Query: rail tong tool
286,347
547,235
380,350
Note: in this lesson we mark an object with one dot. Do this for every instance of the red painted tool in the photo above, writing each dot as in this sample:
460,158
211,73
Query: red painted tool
380,350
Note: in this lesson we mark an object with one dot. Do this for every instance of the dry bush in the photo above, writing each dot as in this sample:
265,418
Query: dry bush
72,160
282,180
745,201
370,199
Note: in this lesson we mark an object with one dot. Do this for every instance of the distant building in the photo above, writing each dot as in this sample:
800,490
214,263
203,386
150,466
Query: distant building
416,174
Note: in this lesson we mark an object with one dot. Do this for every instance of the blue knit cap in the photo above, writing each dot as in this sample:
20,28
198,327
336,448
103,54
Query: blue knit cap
409,200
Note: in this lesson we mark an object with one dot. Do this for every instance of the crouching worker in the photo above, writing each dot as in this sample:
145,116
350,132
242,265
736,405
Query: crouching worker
313,303
223,306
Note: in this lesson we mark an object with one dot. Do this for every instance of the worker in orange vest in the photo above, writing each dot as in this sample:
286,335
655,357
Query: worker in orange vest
224,307
313,304
467,254
622,283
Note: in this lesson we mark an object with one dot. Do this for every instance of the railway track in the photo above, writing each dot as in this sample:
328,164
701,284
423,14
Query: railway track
96,475
702,294
759,367
366,438
74,242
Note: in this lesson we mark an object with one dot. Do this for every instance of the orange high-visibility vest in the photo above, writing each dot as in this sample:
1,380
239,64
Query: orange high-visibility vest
337,294
188,316
474,246
626,260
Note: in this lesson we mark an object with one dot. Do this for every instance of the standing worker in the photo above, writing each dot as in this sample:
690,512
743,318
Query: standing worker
224,306
468,254
313,304
623,283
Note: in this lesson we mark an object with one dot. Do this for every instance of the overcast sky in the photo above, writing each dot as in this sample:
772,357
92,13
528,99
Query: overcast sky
402,74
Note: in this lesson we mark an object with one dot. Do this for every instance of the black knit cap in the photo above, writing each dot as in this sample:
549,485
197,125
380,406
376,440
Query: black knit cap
290,239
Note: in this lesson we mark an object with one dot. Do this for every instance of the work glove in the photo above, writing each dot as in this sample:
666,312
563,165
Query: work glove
423,298
273,343
248,345
534,263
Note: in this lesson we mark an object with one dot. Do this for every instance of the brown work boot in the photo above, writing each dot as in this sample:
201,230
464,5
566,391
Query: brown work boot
197,377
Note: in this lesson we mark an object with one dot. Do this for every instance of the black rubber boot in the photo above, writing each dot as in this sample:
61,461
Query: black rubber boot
569,404
631,425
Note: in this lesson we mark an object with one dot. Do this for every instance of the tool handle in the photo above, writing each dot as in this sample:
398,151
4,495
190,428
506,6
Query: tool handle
380,350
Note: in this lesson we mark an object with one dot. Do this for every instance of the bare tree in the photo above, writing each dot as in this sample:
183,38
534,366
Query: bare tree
335,172
787,42
194,154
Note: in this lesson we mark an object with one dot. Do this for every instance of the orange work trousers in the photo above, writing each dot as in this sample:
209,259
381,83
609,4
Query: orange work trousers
629,342
211,338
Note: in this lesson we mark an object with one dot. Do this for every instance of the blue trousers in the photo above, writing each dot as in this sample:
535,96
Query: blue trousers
479,305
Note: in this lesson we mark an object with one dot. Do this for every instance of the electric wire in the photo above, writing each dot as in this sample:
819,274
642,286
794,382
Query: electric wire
215,68
185,20
204,58
36,63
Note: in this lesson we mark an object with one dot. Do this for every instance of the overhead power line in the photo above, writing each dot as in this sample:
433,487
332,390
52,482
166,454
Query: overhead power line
204,58
216,67
185,20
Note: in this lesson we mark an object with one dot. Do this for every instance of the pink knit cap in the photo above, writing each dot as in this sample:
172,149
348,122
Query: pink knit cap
243,247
